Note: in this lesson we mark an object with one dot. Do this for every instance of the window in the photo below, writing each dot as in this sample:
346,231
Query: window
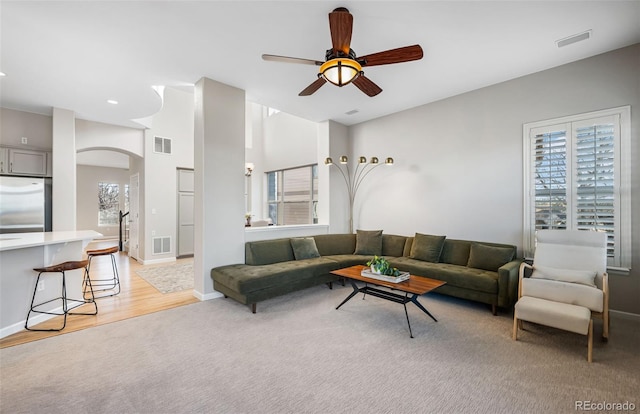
108,204
577,176
293,195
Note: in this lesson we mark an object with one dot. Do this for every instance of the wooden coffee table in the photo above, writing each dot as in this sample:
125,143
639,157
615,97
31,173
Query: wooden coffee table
416,285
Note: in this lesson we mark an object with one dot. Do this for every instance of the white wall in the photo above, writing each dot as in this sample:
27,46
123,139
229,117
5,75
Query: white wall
87,179
96,135
289,141
175,121
459,161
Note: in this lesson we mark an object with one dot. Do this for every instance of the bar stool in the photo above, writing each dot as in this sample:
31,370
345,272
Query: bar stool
102,285
66,309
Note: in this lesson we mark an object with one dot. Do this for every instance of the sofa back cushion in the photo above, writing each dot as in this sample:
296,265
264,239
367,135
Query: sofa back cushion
490,256
335,244
393,245
304,248
455,252
264,252
368,242
427,247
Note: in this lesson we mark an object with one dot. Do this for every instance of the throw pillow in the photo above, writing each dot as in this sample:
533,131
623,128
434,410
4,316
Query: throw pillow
583,277
304,248
369,242
427,248
483,256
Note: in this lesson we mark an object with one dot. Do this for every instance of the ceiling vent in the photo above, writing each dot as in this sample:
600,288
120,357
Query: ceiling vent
351,112
574,38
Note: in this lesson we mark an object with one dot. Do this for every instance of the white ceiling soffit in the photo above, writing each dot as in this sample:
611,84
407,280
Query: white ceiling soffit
77,55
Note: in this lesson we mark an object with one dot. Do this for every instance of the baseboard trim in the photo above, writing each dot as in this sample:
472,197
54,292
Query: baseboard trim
207,296
626,315
19,326
157,261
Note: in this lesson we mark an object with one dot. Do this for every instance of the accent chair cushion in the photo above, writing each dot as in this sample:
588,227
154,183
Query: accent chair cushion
304,248
369,242
583,277
483,256
427,247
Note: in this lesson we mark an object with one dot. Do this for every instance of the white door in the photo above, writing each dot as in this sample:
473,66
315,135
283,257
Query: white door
134,194
185,212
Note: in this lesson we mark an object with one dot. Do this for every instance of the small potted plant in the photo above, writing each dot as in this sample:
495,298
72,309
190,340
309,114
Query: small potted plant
380,266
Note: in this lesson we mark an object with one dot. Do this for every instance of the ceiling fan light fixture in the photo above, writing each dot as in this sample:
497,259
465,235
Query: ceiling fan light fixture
340,71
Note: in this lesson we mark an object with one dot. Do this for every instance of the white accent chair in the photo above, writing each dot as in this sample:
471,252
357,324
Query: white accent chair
568,284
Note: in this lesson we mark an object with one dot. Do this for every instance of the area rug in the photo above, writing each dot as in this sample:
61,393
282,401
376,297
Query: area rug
168,279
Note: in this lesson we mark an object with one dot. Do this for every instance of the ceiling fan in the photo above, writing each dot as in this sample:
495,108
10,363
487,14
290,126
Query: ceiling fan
341,65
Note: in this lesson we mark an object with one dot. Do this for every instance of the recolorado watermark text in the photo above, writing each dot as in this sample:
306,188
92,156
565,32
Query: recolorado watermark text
604,406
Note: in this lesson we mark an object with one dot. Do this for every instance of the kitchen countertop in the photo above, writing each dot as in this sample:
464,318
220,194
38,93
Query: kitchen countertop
12,241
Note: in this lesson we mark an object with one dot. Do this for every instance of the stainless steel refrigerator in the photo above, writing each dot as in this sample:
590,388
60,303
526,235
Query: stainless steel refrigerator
25,204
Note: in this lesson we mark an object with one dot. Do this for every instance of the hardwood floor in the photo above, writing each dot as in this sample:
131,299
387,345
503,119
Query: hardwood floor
137,297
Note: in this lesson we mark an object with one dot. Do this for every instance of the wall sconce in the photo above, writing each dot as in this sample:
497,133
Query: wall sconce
354,180
248,169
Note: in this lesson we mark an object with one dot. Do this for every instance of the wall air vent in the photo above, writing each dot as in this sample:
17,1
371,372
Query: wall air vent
162,145
161,245
574,38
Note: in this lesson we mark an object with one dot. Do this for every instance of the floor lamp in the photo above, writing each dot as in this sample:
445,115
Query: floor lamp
354,180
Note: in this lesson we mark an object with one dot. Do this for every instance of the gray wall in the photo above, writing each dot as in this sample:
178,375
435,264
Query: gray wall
17,124
459,168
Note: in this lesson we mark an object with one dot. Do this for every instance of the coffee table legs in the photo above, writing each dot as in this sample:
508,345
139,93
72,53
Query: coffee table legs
393,297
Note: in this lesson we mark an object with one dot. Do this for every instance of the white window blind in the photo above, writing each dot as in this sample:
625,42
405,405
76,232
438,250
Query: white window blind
577,176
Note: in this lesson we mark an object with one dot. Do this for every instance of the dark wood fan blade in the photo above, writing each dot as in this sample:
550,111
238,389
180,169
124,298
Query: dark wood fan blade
341,25
313,87
287,59
401,54
366,85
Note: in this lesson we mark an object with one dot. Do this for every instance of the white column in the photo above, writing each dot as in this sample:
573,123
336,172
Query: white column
333,196
64,171
219,181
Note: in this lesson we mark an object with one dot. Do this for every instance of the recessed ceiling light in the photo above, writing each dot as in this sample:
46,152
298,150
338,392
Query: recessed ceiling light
2,74
112,101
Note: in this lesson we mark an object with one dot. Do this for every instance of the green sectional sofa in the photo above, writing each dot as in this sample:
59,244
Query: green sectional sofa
479,271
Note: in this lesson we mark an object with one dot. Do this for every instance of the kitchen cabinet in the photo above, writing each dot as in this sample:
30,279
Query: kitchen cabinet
4,160
24,162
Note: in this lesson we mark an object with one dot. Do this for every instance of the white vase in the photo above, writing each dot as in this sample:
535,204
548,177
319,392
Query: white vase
374,270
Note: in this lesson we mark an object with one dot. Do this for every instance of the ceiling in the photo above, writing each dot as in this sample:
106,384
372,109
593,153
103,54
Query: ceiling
78,54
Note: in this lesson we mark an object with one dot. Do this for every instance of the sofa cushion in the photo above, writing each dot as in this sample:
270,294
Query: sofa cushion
304,248
369,242
570,293
456,276
347,260
393,245
330,244
268,251
427,247
483,256
455,252
245,278
583,277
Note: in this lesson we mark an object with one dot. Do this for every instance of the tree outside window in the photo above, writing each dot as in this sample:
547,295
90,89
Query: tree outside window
108,204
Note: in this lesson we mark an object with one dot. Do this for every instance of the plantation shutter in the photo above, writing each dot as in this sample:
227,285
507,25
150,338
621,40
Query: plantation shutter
549,149
595,177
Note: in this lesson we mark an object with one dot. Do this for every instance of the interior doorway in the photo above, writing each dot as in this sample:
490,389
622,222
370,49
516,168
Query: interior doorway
185,216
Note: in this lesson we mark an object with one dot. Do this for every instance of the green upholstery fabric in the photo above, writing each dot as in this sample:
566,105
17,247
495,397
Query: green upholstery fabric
393,245
369,242
483,256
331,244
427,247
304,248
455,252
268,251
271,268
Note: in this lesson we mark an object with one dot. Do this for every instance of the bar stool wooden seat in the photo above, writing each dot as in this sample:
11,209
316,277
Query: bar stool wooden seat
110,284
66,307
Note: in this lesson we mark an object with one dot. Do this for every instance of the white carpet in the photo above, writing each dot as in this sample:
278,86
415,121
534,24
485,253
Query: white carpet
299,354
